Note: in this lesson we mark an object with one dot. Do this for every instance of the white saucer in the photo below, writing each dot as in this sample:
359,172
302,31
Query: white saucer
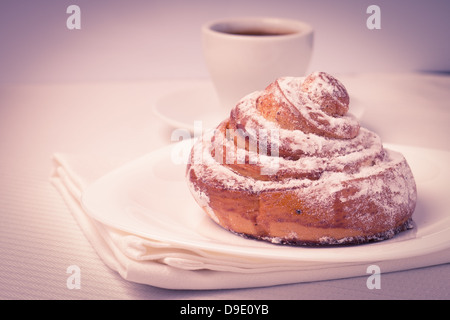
149,197
197,101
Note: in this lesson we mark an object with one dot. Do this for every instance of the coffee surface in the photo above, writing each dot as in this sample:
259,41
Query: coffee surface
258,32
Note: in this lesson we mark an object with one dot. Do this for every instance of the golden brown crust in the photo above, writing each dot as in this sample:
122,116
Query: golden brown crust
272,171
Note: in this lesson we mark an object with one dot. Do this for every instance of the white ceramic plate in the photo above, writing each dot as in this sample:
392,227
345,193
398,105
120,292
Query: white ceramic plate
149,197
197,101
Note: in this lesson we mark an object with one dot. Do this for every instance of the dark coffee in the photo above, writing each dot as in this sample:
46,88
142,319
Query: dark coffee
258,32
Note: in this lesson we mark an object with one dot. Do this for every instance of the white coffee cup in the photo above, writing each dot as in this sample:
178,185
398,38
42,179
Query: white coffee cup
244,55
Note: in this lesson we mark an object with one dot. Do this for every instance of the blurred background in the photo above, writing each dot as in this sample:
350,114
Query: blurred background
138,40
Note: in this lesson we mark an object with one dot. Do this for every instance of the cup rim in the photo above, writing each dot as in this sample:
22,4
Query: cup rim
293,28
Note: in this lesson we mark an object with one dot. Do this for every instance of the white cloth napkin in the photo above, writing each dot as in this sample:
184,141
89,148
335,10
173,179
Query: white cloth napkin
159,264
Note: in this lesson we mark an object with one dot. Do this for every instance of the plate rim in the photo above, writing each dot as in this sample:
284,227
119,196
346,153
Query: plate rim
319,254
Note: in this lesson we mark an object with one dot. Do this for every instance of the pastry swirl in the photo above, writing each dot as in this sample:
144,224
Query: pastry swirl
292,166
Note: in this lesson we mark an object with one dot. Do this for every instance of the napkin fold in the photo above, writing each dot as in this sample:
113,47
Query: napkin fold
160,264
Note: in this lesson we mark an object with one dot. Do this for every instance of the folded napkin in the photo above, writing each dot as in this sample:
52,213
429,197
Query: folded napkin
165,265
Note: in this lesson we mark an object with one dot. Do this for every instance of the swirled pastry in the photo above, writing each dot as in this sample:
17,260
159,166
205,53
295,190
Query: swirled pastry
292,166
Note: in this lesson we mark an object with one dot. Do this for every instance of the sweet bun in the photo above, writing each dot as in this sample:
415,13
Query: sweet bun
291,166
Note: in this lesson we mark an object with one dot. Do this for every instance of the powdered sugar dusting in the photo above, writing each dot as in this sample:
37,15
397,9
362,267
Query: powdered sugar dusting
334,162
323,85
